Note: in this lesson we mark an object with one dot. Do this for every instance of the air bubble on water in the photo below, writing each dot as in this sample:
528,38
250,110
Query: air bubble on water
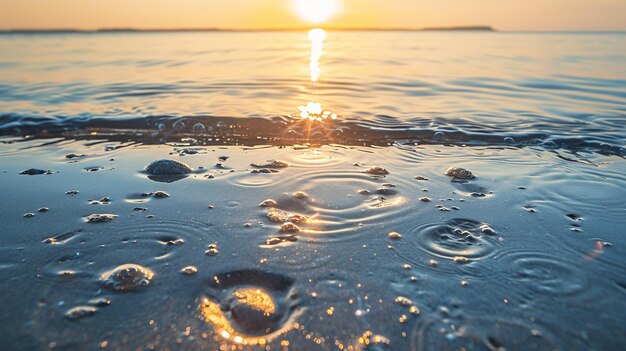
395,236
178,125
80,312
404,301
282,217
268,203
127,277
300,195
509,140
460,260
212,250
439,136
289,227
189,270
100,218
460,174
198,128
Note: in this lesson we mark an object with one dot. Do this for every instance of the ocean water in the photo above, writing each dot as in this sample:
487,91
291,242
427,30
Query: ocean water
564,88
290,234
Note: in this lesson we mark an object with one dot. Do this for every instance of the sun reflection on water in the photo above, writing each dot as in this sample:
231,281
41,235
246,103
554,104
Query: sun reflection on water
313,110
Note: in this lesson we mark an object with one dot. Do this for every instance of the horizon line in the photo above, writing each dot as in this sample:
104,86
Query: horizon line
472,28
240,29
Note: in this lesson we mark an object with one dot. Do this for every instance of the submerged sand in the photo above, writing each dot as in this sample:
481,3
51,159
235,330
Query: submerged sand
335,247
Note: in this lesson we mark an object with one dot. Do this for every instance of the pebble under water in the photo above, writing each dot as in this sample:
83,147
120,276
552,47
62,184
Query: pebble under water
404,247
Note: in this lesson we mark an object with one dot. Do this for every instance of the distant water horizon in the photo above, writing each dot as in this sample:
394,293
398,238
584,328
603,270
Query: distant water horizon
236,29
475,28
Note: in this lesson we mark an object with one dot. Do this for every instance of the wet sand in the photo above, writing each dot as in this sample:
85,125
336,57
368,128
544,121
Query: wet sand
335,247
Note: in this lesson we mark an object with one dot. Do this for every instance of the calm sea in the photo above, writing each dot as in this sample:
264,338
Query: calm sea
561,88
281,233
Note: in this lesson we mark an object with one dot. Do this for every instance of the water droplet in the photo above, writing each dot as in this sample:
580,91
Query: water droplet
212,250
395,236
405,301
189,270
80,312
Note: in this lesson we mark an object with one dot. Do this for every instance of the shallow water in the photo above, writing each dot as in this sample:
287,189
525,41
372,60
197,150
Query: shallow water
528,255
544,280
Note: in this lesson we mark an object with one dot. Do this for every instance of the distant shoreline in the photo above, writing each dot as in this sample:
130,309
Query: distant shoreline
485,29
149,30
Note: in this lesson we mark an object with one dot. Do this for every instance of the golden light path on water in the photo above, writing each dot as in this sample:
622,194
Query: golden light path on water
313,109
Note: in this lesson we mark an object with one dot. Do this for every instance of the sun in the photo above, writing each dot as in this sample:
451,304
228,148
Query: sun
316,11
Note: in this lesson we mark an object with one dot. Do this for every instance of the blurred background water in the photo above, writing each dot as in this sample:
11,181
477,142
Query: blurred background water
566,85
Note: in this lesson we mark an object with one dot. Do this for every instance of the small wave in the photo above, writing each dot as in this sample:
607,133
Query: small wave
286,130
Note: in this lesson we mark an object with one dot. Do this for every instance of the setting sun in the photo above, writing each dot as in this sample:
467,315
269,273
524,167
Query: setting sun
316,11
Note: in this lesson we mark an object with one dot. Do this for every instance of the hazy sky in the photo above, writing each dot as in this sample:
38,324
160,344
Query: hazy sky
502,14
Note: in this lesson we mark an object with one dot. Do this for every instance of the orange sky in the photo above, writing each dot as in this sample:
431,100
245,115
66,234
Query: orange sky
502,14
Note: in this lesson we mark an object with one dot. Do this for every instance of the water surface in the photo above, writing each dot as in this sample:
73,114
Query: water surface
568,88
528,255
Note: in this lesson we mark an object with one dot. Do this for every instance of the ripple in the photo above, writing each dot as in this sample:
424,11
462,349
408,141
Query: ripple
148,242
254,180
62,238
433,333
458,243
66,266
324,157
168,237
473,190
543,273
250,307
337,210
296,256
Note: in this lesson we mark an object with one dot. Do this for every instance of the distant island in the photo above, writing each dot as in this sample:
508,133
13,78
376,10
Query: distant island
463,28
129,30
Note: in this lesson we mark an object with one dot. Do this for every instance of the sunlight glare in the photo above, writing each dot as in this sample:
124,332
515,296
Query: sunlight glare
317,37
313,111
316,11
